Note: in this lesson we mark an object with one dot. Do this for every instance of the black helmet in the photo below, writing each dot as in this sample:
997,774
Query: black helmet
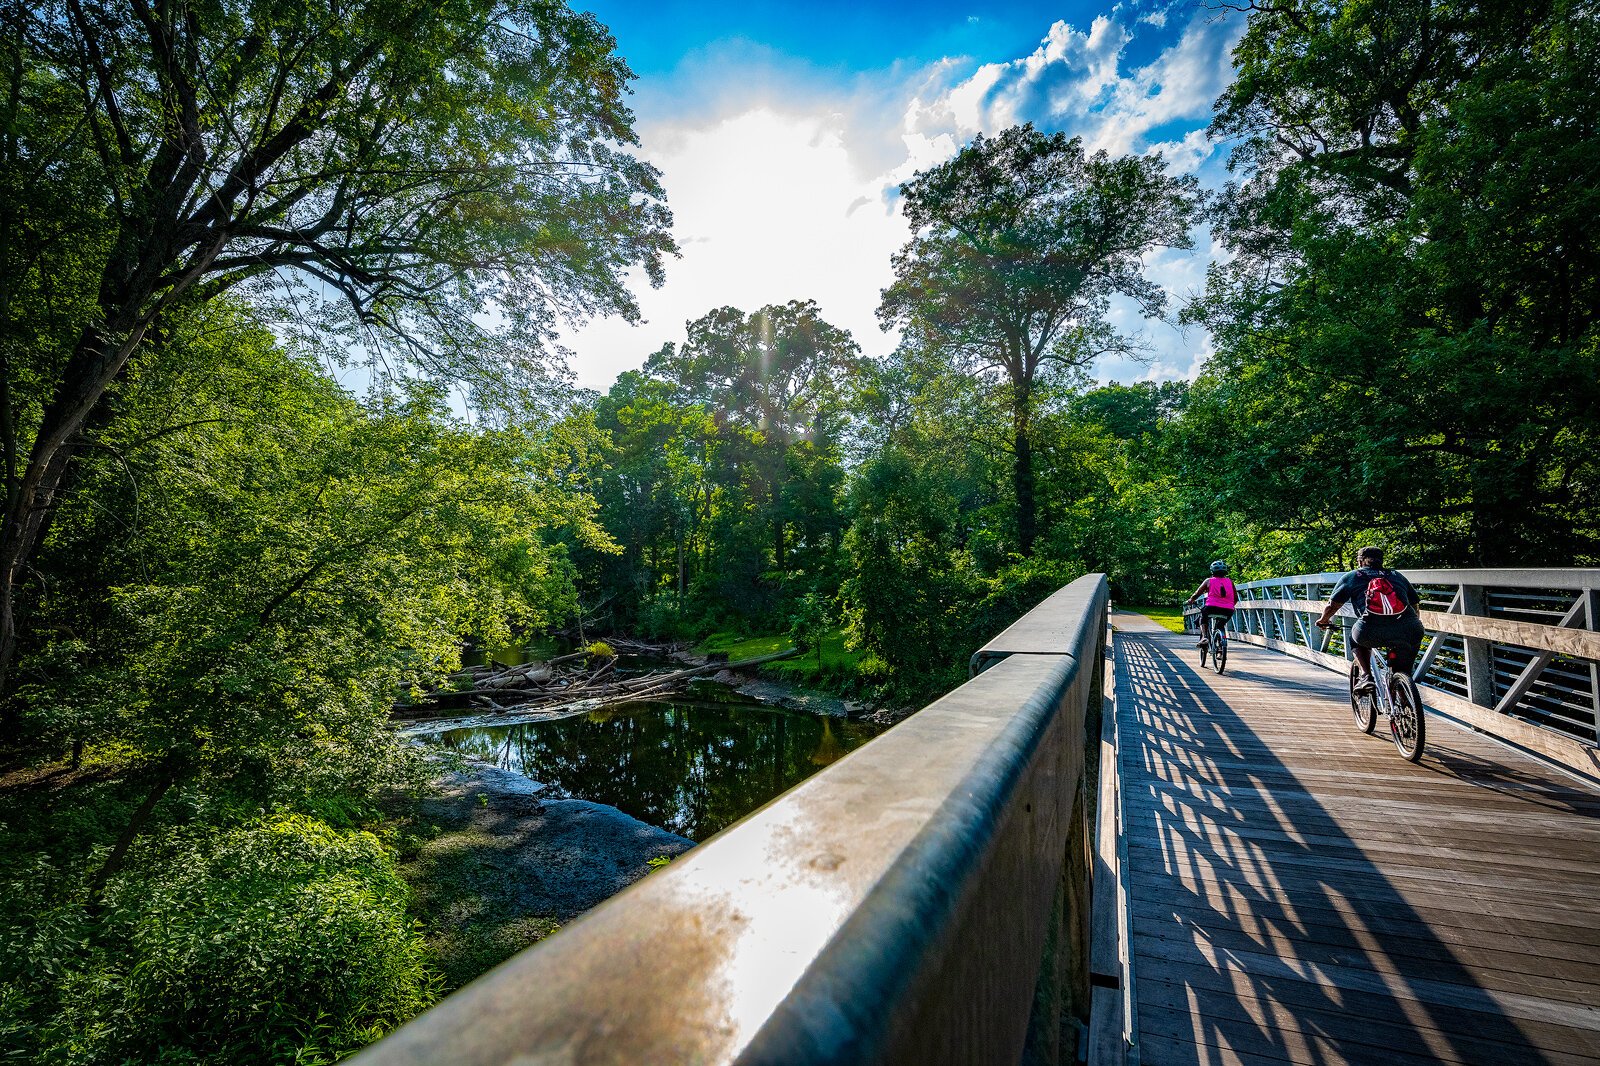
1219,567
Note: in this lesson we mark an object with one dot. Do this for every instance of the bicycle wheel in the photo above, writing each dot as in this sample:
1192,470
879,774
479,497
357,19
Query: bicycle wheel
1363,706
1407,720
1219,651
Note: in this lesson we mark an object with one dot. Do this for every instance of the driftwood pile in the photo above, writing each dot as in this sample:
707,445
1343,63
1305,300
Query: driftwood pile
576,679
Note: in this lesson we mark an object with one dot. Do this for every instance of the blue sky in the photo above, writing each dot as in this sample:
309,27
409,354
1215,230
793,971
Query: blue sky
844,36
782,130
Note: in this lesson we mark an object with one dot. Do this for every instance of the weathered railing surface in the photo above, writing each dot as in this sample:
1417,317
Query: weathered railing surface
920,901
1512,652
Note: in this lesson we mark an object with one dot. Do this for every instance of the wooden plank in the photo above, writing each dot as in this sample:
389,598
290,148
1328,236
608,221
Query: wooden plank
1164,1051
1402,897
1578,643
1403,1037
1167,775
1559,979
1175,785
1578,615
1355,811
1363,981
1495,850
1172,982
1574,754
1414,931
1149,868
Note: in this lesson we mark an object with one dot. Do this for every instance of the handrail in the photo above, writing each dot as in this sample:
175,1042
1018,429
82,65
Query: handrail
894,908
1513,652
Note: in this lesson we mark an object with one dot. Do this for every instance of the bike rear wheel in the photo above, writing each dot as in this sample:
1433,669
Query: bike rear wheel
1364,705
1406,718
1219,651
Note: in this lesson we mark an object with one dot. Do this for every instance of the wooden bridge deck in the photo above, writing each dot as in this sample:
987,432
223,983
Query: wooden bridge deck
1301,894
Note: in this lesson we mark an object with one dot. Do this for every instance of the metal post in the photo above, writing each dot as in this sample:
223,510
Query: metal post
1477,652
1591,598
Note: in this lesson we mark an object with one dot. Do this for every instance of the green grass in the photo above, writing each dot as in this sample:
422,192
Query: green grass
1167,617
836,662
741,647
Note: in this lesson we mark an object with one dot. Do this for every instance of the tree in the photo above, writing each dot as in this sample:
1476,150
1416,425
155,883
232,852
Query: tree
239,590
425,167
1408,331
777,383
1020,242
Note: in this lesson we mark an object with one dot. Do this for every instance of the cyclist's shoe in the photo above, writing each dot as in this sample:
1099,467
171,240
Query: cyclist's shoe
1366,686
1203,644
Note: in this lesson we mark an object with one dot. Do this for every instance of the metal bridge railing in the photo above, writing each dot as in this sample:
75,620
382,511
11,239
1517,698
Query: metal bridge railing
923,900
1515,653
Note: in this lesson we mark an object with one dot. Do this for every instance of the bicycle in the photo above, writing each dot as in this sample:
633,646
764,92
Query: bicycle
1395,694
1216,644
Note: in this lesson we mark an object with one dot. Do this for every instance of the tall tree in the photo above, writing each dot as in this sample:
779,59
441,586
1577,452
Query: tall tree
780,375
1408,330
426,166
1020,242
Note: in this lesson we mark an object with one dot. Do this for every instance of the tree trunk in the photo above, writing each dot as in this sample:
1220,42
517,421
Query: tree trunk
95,364
1022,469
130,833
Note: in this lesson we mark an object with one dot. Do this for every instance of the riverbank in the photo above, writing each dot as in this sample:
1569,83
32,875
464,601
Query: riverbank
494,867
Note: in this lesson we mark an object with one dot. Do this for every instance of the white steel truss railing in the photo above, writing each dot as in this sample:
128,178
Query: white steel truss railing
1512,652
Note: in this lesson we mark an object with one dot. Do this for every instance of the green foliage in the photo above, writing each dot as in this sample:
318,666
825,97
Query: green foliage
239,588
810,622
1409,328
280,940
243,587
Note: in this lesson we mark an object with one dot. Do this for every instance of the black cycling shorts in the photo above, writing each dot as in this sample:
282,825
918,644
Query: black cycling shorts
1223,613
1401,633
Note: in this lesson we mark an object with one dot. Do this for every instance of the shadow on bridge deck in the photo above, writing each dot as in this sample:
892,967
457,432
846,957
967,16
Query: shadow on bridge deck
1301,894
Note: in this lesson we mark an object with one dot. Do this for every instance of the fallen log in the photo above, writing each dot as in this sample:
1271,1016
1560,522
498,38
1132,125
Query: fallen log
593,687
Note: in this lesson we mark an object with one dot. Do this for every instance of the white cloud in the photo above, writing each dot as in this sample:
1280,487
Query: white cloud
1074,81
1186,156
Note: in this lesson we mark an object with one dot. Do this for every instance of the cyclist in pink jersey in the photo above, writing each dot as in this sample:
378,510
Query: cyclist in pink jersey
1221,597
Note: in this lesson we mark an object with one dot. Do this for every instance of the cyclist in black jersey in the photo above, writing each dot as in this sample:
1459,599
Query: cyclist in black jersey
1400,631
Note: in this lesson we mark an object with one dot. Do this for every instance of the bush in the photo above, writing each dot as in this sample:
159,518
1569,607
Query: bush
283,941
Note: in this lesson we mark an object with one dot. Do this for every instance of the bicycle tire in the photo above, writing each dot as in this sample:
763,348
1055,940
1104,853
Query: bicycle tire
1407,721
1364,708
1219,652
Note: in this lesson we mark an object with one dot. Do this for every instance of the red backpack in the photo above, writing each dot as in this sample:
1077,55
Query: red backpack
1383,597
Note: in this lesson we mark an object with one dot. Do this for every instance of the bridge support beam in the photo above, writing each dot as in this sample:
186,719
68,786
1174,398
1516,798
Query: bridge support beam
1477,652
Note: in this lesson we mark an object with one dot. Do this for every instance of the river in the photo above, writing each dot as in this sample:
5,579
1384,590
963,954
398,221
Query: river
692,766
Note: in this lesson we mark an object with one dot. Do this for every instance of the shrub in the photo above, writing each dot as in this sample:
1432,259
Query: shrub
283,941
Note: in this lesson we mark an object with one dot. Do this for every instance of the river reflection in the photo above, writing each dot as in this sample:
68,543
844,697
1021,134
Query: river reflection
690,767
